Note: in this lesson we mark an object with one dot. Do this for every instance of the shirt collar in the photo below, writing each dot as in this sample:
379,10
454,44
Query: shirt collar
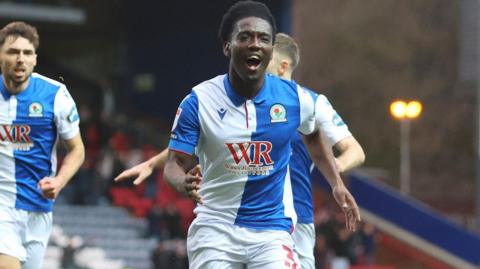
238,99
6,94
3,89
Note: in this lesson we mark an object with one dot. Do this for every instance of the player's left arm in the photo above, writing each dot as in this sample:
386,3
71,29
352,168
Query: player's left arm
336,132
351,154
51,186
143,170
322,156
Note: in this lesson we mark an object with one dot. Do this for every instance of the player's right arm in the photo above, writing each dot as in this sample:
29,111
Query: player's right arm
175,173
183,140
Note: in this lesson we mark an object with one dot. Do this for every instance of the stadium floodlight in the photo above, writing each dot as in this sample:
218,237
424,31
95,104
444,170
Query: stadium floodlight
37,12
405,112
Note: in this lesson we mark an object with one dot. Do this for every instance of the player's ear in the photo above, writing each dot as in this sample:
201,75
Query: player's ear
226,48
284,65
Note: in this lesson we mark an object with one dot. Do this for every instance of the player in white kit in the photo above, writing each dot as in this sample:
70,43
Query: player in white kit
35,112
285,59
240,126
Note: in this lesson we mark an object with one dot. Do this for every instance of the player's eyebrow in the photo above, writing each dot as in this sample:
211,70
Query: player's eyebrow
16,50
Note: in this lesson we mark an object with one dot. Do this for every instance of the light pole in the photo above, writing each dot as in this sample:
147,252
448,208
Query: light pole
405,112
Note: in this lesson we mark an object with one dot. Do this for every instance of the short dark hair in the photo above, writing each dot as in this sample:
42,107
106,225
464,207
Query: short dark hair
20,29
285,45
241,10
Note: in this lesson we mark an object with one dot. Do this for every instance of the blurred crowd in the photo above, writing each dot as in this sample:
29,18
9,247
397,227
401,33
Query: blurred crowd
336,247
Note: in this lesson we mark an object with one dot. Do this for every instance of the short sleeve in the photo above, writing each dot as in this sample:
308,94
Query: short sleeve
66,115
307,100
186,127
329,122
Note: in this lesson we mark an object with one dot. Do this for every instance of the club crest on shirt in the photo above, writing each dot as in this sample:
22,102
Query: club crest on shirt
278,113
35,110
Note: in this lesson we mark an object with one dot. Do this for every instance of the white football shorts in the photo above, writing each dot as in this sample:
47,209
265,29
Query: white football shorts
24,235
304,238
212,244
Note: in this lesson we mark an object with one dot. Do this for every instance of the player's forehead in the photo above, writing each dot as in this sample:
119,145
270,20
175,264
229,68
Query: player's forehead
253,25
18,42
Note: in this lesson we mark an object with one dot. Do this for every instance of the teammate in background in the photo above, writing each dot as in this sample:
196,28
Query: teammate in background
240,126
34,112
285,60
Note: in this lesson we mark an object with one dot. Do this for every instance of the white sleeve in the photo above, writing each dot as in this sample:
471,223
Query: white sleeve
329,122
66,115
307,110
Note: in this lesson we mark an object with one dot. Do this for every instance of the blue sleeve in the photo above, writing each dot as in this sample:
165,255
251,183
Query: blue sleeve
186,127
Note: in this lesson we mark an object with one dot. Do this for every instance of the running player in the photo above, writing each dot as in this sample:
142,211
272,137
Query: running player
34,112
285,59
240,126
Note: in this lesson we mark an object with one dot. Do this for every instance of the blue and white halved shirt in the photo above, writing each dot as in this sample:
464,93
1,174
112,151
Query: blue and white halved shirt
244,148
30,124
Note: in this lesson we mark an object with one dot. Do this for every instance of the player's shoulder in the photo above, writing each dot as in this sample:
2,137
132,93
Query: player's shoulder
308,90
277,81
206,90
47,83
322,99
216,83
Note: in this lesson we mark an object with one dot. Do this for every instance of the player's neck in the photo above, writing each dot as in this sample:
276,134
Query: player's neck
246,88
14,87
286,76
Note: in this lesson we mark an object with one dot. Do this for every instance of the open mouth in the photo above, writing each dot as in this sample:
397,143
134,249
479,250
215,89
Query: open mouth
253,62
19,70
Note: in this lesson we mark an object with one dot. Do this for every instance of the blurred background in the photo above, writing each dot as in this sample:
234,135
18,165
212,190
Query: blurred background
128,64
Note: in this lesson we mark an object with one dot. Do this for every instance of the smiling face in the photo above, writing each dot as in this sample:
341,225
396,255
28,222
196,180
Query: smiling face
250,49
18,58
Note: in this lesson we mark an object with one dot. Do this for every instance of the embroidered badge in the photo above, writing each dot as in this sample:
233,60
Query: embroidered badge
278,113
73,116
35,110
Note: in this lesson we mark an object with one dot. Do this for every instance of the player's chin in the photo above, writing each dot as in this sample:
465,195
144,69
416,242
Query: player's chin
254,76
20,80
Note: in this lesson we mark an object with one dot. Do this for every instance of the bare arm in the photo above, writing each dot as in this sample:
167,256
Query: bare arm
158,161
51,186
351,154
142,171
175,173
322,156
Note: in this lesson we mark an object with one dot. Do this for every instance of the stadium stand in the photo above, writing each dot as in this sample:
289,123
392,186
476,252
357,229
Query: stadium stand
112,238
